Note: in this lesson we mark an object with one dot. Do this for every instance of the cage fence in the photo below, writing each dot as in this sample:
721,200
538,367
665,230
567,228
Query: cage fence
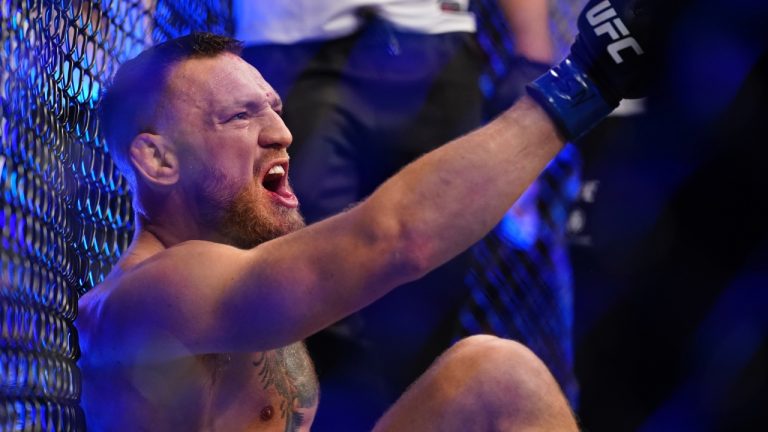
65,211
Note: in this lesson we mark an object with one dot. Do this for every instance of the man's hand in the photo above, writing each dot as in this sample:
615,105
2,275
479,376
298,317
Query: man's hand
608,62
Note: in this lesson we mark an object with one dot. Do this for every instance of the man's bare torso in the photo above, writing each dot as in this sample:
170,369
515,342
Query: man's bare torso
275,390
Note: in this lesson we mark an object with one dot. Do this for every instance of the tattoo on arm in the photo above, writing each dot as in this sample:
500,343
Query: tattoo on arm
290,371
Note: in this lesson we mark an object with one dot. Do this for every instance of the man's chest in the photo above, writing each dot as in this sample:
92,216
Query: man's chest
270,388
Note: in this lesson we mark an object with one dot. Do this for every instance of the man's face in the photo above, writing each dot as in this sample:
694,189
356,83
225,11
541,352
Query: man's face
224,121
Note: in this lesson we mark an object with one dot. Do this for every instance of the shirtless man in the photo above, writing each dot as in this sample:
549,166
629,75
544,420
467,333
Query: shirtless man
199,325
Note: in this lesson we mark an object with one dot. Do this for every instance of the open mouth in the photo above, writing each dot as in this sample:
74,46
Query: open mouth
275,179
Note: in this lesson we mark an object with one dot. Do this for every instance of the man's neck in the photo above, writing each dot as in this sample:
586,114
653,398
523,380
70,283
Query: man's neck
171,231
144,245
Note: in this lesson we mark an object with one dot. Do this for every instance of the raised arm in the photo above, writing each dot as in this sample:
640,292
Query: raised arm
216,298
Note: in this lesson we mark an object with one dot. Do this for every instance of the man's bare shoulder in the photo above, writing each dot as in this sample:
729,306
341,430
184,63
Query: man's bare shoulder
141,271
148,290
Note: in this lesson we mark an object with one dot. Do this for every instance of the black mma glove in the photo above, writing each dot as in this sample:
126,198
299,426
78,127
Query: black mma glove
607,63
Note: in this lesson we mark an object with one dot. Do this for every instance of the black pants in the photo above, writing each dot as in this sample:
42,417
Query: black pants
360,108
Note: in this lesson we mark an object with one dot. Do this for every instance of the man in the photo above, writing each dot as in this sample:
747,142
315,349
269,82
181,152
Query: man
199,325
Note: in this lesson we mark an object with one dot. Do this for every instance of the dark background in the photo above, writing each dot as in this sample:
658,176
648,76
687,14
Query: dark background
672,295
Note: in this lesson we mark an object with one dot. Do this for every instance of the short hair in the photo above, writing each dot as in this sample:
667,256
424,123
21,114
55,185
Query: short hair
132,99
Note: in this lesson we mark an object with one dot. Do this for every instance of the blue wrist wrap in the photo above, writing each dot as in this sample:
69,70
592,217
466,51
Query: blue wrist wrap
571,98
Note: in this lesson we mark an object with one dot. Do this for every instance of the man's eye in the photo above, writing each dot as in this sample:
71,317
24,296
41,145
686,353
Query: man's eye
239,116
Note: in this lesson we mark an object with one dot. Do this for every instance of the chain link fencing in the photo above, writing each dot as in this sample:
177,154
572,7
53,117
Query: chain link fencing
65,211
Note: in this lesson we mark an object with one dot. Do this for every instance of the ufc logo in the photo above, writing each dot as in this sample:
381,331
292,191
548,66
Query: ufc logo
601,18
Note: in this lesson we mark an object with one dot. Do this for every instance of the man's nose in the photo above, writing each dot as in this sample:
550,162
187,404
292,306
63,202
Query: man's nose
275,134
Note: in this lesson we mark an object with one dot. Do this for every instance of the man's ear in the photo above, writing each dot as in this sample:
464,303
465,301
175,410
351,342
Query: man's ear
155,159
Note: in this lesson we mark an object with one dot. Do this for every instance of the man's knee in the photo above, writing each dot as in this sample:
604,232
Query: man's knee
483,383
492,354
506,380
493,363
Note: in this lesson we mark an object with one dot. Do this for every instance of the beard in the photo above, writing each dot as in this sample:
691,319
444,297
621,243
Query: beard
237,213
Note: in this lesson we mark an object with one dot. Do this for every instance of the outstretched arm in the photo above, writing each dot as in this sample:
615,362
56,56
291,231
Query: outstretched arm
215,298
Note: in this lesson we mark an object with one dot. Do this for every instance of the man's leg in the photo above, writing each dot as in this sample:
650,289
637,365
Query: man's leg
482,383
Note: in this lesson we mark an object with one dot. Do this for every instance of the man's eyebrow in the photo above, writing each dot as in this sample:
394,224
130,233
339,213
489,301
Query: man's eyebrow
248,103
255,102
